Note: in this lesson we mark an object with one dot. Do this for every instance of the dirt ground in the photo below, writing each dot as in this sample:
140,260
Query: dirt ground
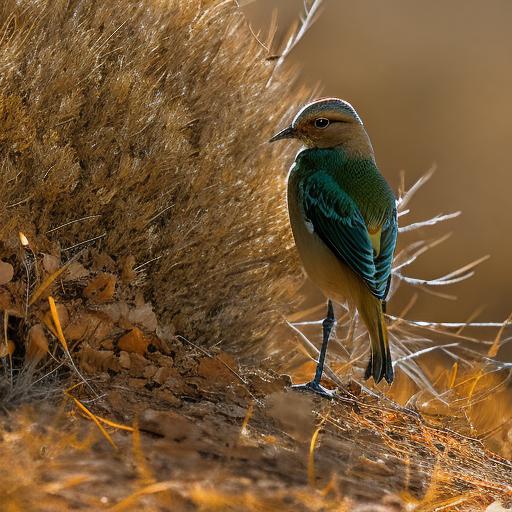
209,435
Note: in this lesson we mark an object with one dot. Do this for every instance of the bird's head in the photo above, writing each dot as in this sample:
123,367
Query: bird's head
328,123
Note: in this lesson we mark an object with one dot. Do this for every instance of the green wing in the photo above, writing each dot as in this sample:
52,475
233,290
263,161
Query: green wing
384,262
337,220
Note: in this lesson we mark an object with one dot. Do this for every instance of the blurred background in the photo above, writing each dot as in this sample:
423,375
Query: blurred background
432,83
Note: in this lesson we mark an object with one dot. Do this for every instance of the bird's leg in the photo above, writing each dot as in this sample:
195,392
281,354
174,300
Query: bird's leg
315,385
327,326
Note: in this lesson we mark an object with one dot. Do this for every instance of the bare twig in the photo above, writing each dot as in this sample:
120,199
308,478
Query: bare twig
310,17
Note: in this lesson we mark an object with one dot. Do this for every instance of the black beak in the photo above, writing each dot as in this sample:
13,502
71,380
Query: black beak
287,133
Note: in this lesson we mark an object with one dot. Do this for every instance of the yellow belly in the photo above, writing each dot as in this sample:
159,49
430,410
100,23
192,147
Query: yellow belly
330,274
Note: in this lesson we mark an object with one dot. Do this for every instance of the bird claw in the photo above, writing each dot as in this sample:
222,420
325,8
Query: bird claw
315,388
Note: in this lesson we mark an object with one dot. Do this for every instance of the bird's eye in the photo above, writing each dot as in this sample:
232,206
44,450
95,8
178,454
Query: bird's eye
321,122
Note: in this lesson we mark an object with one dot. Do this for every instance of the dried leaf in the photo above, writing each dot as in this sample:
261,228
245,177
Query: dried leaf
7,349
134,341
144,316
45,285
116,311
6,272
103,261
124,360
5,300
37,346
94,361
63,315
496,506
138,364
76,271
127,272
101,288
86,324
51,263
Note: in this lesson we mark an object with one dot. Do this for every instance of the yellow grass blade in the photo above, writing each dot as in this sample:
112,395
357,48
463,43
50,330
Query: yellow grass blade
478,376
453,375
50,326
493,350
114,424
60,336
150,489
311,457
46,283
93,417
145,475
58,326
108,422
67,483
8,348
248,415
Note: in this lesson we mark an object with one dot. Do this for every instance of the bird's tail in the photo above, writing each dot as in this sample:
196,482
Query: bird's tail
380,365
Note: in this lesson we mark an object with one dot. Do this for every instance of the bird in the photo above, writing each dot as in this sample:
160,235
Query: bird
343,218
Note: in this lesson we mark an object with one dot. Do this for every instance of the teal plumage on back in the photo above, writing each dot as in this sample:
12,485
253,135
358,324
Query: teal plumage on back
344,199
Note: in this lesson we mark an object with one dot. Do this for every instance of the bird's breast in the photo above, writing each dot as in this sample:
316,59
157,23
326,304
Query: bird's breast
322,266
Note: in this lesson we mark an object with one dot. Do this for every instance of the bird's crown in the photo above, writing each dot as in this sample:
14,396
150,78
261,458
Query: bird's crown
330,108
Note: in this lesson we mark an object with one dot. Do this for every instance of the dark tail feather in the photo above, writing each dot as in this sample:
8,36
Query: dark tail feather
380,365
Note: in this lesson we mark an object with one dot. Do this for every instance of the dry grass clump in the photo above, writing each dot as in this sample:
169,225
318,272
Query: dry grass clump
135,132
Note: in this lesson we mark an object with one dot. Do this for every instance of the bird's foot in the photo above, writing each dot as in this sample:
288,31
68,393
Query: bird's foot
317,388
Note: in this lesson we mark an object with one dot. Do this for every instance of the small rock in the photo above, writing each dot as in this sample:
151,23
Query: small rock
213,368
162,374
149,371
137,383
167,396
124,360
169,424
107,344
137,365
294,412
232,411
